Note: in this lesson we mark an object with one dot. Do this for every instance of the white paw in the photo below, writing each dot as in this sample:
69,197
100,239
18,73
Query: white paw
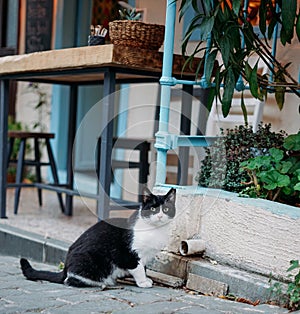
147,283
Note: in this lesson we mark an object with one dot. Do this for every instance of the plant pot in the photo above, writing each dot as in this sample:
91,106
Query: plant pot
136,34
96,40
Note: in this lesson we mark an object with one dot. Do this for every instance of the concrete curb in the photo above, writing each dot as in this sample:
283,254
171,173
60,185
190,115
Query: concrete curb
238,282
20,243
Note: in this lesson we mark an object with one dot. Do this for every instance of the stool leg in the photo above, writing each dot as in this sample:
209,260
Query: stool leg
10,149
54,173
37,157
19,175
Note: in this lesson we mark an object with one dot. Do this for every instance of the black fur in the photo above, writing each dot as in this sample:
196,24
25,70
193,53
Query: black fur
102,248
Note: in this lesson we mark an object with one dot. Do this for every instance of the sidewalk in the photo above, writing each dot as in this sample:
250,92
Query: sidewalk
18,295
46,234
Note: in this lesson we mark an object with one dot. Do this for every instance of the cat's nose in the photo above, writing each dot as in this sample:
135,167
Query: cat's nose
159,216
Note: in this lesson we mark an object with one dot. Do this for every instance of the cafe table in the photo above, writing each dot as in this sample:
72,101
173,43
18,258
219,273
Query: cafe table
91,65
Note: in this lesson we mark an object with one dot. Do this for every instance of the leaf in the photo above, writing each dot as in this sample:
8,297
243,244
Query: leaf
248,71
263,16
274,179
258,162
297,187
271,27
195,5
229,85
292,142
279,96
285,166
210,62
236,5
253,81
225,49
210,98
294,264
288,13
276,153
185,4
206,26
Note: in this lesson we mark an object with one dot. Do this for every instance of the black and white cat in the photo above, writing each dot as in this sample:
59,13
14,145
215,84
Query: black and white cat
116,247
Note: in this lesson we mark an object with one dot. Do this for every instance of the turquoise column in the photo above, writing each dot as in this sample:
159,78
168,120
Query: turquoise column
163,139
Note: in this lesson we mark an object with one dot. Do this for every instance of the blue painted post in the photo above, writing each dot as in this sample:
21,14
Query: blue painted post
162,136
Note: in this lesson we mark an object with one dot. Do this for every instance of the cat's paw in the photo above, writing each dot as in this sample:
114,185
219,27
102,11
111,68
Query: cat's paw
147,283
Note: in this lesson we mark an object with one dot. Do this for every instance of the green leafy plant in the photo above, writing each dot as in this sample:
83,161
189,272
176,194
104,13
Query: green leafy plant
41,106
130,14
228,39
14,125
275,175
221,166
290,297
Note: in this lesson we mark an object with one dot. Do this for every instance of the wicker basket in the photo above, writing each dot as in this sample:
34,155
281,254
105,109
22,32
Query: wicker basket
136,34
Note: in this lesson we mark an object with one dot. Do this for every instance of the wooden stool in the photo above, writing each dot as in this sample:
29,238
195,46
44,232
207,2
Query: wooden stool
36,162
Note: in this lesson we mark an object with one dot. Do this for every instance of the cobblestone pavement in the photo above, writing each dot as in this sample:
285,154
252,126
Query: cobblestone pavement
18,295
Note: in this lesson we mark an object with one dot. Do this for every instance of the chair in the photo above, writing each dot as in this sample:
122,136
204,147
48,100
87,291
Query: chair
36,162
131,144
216,120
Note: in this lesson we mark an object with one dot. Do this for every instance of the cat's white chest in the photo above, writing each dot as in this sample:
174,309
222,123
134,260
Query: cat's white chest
149,240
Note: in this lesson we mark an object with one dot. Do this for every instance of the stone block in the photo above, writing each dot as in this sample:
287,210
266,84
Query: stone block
206,285
170,264
164,279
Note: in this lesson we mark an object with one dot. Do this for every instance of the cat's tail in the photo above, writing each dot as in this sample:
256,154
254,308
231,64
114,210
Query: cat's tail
33,274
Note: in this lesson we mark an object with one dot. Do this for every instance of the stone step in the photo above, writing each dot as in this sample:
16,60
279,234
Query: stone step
239,282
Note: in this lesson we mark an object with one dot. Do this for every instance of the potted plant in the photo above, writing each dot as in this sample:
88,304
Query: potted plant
227,35
264,164
129,31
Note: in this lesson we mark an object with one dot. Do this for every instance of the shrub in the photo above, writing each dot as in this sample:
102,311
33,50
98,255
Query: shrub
221,166
275,175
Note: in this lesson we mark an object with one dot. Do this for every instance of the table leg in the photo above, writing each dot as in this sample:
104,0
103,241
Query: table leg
185,129
71,138
104,175
4,90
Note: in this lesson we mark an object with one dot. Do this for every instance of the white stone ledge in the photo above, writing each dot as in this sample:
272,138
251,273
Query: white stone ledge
252,234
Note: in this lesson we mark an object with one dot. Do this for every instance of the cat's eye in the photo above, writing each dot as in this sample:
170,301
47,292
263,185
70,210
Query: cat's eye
153,209
165,210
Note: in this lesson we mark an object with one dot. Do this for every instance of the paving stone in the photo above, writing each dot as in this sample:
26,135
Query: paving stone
206,285
19,295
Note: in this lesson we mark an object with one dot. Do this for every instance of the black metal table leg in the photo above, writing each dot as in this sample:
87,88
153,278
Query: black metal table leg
71,137
4,90
104,174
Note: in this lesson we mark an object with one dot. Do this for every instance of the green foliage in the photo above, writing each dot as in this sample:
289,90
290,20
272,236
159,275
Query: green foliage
17,126
222,24
275,175
41,106
221,166
129,14
291,297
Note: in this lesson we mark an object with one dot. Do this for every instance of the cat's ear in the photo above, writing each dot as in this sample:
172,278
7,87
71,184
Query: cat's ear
171,195
147,195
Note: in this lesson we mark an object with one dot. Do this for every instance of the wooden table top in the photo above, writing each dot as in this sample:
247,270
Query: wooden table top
85,65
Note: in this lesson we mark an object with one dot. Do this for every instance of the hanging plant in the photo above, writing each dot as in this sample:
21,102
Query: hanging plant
228,37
